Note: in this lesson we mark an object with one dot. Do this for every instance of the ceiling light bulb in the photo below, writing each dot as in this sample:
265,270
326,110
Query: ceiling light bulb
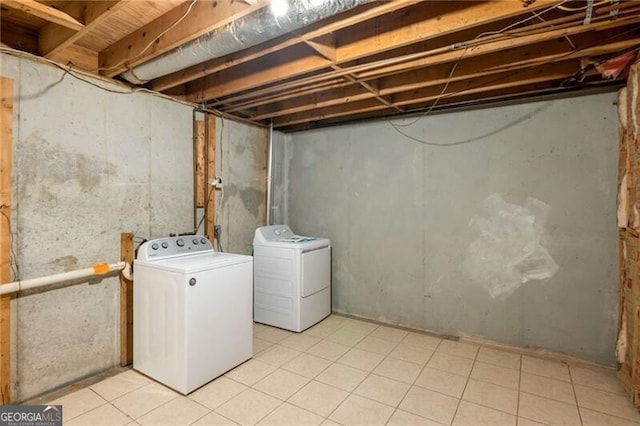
279,7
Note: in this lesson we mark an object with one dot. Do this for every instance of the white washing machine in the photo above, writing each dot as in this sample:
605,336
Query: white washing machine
193,317
292,278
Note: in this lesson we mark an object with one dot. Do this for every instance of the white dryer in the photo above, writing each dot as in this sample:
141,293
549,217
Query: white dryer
192,318
291,279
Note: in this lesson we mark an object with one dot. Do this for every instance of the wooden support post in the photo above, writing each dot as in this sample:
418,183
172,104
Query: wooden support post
210,208
199,150
6,122
126,302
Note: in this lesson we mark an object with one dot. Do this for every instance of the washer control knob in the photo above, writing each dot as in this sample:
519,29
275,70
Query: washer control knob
180,242
203,241
165,244
155,246
192,282
195,241
277,232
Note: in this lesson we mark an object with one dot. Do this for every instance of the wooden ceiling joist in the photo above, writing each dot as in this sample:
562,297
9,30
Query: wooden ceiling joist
376,59
53,41
187,22
45,12
546,52
214,65
509,79
217,86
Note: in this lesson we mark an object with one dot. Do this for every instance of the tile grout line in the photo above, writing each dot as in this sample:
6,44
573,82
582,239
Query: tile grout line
412,384
409,390
519,390
455,413
575,394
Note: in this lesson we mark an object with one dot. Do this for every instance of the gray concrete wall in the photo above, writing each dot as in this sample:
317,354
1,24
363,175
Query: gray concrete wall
398,213
241,161
87,165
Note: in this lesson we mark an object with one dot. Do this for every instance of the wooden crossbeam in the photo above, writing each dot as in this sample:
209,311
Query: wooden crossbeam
314,35
53,40
552,72
385,33
187,21
45,12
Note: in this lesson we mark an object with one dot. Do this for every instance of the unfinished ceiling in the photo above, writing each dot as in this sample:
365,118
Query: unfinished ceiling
330,61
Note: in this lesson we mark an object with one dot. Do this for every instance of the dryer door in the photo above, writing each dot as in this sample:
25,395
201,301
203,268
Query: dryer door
316,271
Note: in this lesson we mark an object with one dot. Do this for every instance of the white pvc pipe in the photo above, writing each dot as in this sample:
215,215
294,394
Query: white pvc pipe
97,269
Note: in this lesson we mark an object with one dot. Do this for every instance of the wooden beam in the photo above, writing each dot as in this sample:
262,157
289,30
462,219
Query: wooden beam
6,123
375,70
424,22
324,45
210,210
551,73
76,56
514,59
403,27
45,12
200,162
218,64
504,45
294,61
54,40
18,37
126,302
204,17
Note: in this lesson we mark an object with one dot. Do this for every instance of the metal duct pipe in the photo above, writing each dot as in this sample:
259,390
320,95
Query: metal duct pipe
253,29
270,175
98,269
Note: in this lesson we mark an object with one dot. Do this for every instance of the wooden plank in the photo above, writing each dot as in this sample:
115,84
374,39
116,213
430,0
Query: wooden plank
550,73
294,61
433,21
54,39
517,58
6,122
45,12
18,37
126,302
210,210
204,17
201,170
373,70
76,56
218,64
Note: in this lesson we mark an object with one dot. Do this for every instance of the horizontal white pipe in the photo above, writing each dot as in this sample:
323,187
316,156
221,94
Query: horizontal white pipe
97,269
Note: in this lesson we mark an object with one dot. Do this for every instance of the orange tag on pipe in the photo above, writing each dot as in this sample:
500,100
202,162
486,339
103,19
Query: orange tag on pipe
100,268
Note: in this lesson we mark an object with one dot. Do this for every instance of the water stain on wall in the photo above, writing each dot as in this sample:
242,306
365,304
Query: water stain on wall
42,161
68,263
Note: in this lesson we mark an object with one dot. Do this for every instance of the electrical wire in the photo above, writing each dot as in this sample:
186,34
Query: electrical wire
578,9
464,52
396,126
498,79
148,46
86,77
204,215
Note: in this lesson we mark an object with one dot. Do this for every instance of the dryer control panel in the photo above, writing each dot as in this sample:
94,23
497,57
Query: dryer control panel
173,246
275,231
279,234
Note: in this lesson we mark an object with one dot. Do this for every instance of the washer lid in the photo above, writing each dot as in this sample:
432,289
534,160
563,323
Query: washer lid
196,262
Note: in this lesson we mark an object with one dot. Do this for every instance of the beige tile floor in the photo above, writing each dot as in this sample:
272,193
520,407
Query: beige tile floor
348,372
